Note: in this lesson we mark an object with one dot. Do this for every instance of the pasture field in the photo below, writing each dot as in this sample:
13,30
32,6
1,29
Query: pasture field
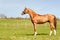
14,29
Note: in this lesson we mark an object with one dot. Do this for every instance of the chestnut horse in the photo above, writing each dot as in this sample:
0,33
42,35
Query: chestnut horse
40,19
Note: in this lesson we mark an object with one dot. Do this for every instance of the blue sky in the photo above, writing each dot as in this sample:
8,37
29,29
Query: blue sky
14,8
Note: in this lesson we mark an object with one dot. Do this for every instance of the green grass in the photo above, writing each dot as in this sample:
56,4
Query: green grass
13,29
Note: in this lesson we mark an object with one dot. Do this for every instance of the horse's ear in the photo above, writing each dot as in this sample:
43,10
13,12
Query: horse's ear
25,8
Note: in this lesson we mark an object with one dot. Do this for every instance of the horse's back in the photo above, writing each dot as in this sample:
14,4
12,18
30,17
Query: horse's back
50,15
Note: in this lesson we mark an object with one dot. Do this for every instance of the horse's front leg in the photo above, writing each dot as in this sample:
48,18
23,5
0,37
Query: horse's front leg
34,24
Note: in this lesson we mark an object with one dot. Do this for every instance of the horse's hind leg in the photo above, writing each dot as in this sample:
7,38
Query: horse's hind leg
54,30
51,28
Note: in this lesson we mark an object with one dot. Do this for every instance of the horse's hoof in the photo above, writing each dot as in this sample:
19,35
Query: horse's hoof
35,33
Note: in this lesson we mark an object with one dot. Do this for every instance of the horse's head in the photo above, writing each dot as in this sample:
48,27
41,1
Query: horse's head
25,11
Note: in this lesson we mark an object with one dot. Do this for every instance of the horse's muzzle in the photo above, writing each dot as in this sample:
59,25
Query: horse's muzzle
22,13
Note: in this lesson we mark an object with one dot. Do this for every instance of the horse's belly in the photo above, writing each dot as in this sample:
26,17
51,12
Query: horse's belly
41,21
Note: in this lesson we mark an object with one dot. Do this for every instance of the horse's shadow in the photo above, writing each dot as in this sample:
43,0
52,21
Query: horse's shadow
37,34
32,34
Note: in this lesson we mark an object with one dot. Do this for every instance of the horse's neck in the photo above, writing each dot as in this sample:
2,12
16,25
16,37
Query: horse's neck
32,14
